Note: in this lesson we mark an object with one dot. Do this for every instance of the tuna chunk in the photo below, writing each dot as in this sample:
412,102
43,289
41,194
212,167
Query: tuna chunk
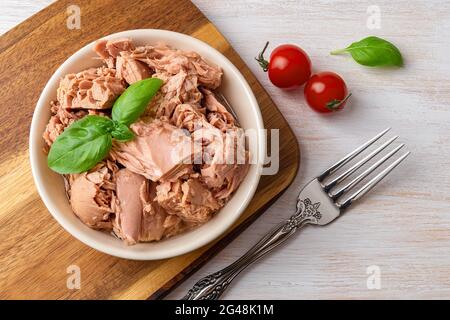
108,50
226,178
177,89
84,205
116,54
163,58
182,73
157,150
115,47
156,223
60,119
131,191
198,202
211,113
131,70
218,115
189,117
226,163
139,218
209,76
190,200
92,197
95,88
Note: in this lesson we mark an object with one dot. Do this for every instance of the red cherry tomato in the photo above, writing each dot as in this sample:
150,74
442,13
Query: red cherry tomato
289,66
326,92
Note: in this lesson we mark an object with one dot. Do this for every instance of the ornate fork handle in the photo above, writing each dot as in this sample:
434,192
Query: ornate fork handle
214,285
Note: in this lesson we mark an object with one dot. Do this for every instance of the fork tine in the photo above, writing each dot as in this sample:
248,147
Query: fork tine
368,171
351,155
226,104
372,183
343,176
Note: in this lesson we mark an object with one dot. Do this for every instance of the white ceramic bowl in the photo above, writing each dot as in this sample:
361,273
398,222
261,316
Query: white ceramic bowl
51,186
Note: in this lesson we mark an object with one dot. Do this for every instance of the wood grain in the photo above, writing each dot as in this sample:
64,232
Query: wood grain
34,250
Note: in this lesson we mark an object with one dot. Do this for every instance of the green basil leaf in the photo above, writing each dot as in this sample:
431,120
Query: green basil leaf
133,101
81,146
121,132
104,126
374,52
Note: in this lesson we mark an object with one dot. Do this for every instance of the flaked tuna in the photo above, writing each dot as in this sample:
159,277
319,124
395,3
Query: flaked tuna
131,70
177,89
60,119
190,200
188,155
182,71
131,193
92,195
226,163
138,217
156,223
157,150
94,88
188,117
115,47
218,115
164,59
108,50
116,54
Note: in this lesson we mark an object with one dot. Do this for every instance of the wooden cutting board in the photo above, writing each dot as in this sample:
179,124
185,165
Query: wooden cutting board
35,252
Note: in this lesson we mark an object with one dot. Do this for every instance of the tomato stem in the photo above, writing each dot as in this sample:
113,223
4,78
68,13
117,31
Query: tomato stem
335,104
260,58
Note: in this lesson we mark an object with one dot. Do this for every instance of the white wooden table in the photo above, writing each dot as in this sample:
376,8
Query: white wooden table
403,227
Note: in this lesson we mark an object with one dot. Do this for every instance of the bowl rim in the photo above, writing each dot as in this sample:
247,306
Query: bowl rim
150,254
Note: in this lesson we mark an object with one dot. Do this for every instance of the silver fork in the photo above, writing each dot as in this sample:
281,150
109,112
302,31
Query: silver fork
319,203
221,98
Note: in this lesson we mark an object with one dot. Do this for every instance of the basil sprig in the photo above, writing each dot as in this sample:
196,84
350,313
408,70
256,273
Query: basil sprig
132,103
81,145
88,140
373,52
121,132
